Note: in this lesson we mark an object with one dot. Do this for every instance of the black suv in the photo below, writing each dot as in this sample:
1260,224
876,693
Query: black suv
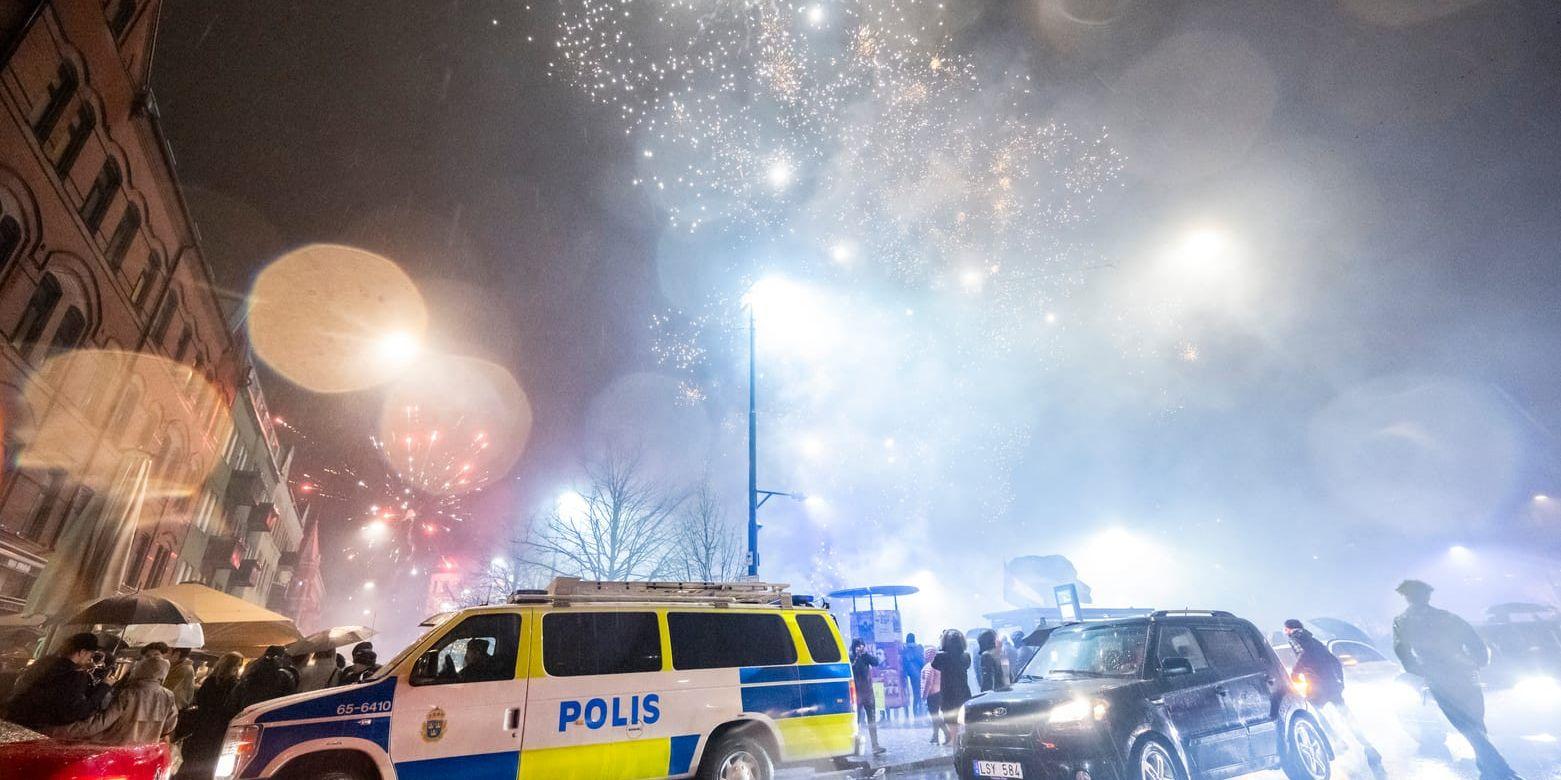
1171,696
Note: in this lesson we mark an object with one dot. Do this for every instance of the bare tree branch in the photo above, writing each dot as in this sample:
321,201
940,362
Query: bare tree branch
707,548
621,529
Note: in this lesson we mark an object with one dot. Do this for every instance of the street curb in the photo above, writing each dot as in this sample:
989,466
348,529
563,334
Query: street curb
887,770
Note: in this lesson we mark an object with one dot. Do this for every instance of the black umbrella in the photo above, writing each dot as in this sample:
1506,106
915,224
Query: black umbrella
134,609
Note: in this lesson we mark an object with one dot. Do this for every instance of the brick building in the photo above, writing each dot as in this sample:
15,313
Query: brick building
138,450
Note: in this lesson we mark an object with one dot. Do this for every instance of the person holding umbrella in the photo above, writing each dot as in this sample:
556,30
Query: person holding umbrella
64,689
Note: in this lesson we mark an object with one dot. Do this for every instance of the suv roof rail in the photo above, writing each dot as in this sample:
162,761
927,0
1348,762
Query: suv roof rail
567,589
1210,612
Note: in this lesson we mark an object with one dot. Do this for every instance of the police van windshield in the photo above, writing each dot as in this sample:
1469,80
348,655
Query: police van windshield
437,622
1113,650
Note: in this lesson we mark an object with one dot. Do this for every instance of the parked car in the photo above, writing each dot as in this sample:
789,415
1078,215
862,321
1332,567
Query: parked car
1168,696
27,754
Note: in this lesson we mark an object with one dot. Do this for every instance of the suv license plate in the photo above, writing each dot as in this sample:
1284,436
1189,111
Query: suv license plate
999,769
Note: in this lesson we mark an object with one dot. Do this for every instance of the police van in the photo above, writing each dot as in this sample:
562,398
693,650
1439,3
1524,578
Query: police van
606,680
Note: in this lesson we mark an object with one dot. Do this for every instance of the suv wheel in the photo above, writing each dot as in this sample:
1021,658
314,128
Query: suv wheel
1306,751
1153,761
736,757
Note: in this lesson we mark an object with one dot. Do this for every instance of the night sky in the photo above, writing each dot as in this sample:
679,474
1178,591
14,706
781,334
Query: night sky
1401,172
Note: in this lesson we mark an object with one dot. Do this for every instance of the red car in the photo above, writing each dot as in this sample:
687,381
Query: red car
27,754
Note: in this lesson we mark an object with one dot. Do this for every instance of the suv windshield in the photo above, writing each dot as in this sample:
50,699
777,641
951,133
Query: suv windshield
1115,650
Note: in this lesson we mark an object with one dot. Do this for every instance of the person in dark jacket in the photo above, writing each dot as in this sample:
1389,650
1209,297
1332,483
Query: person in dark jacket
1321,677
364,664
208,721
862,663
267,678
1444,649
994,662
63,690
953,665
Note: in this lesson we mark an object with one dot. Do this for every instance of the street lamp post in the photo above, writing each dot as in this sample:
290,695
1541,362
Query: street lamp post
756,497
753,452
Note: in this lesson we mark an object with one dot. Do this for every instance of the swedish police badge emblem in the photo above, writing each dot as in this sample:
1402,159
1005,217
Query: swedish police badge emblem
433,725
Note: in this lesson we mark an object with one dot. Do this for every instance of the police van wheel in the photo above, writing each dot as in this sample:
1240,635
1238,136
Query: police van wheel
736,757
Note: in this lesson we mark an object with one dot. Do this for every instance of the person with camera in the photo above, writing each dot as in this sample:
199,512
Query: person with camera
63,688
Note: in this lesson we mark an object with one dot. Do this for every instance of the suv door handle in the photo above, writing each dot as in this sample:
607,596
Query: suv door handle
1221,691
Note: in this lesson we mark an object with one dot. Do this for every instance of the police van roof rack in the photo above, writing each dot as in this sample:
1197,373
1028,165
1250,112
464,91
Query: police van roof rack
567,589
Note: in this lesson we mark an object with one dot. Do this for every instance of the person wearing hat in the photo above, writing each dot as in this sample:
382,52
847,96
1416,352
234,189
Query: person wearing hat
364,664
63,690
1444,649
1323,676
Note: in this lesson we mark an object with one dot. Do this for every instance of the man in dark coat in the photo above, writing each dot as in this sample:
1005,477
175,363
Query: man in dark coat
862,663
1444,649
1324,683
364,664
62,690
267,678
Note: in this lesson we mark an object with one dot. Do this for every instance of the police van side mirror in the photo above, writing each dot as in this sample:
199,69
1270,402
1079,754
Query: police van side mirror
427,667
1175,667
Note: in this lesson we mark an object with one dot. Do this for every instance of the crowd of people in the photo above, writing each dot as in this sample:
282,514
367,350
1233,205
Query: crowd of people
81,693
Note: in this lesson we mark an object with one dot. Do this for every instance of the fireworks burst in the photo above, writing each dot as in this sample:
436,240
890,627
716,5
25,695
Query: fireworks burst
934,212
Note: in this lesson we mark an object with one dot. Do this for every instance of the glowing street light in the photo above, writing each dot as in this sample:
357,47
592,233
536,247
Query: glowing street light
398,347
1460,553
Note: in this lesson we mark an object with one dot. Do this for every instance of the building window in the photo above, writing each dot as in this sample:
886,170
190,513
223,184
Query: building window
10,239
137,558
61,90
124,233
120,423
40,307
141,296
68,335
80,130
78,506
165,317
154,575
119,15
39,522
183,347
104,188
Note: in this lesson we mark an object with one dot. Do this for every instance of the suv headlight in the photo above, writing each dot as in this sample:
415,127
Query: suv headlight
959,717
237,748
1077,711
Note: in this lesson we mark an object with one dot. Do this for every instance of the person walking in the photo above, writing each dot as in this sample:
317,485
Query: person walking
267,678
1322,677
994,662
953,665
208,722
364,664
862,663
931,687
63,689
1445,651
912,659
181,677
142,712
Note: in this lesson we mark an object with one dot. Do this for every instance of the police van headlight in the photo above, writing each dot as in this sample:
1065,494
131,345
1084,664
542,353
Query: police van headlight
237,748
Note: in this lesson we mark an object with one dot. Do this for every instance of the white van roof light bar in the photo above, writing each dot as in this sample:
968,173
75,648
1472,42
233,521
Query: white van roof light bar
576,589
